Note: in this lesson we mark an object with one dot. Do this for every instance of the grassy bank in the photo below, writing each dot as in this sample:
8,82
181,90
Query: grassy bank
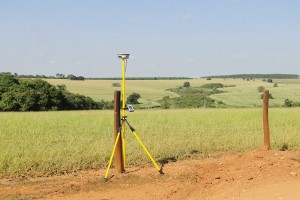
45,143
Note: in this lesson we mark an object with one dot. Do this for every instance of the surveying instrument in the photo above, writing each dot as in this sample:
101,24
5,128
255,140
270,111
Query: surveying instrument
120,138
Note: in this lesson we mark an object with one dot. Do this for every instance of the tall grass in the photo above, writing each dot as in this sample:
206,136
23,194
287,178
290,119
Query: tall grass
45,143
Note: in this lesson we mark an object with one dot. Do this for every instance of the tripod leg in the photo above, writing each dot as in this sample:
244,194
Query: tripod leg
147,152
112,155
123,145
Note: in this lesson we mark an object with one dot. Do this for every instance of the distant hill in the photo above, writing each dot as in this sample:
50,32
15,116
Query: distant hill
253,76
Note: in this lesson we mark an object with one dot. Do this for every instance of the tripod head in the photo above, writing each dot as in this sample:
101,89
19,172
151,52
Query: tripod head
123,55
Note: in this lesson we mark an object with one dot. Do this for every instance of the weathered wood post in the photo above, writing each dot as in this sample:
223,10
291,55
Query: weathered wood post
117,124
266,119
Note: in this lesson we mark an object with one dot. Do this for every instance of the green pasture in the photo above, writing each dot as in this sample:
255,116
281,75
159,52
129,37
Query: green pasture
240,93
245,93
46,143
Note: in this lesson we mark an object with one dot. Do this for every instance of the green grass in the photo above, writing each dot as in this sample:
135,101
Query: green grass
46,143
243,94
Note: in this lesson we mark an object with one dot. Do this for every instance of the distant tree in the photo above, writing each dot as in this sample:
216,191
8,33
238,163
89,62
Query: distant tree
288,103
260,88
270,96
77,78
133,98
270,80
80,78
116,85
70,76
60,76
208,79
186,84
165,103
275,85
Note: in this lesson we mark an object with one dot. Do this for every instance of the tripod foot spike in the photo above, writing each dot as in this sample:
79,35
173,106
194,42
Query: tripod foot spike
161,171
104,180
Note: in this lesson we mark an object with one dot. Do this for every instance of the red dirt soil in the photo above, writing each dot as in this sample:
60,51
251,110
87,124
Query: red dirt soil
259,175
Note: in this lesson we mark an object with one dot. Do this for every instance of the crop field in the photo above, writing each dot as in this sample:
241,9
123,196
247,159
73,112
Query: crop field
238,92
46,143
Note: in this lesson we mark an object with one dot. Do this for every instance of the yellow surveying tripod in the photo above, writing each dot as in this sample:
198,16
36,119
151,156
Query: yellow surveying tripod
121,129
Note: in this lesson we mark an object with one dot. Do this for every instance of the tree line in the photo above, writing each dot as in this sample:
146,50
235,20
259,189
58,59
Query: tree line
39,95
73,77
57,76
141,78
262,76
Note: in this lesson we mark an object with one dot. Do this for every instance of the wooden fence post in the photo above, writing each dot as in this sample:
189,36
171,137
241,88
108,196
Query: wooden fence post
266,119
117,124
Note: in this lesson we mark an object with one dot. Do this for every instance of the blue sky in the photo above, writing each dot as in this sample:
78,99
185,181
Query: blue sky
190,38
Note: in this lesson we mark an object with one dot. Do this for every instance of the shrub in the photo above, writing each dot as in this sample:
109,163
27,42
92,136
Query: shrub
133,98
260,88
165,103
186,84
212,85
270,96
116,85
288,103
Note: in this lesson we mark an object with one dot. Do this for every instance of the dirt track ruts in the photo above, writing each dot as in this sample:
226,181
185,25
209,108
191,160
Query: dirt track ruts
258,174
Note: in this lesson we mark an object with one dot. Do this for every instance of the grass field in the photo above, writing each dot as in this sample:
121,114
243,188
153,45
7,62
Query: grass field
243,94
151,91
46,143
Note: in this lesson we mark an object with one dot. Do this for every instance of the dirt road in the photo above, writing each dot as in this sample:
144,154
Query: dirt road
259,175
